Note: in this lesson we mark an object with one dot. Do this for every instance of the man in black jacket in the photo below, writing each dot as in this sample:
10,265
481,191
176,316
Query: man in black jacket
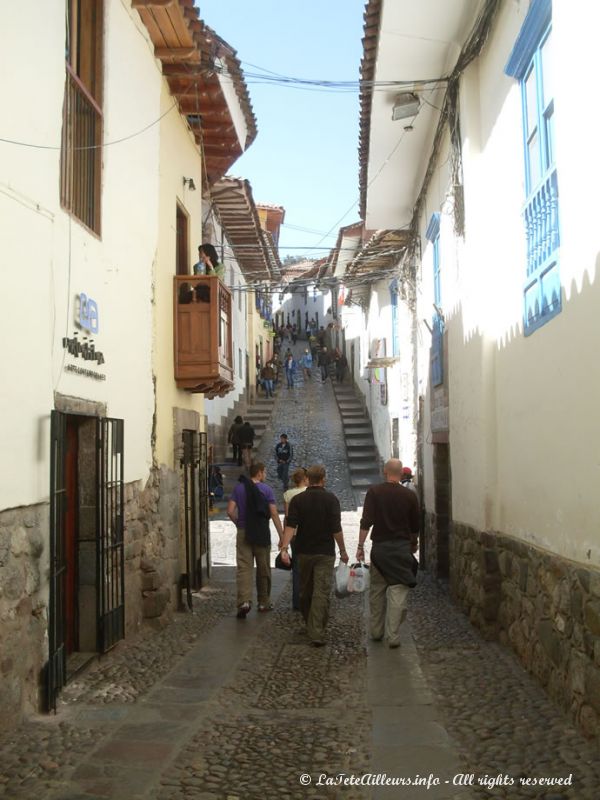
246,438
316,517
393,513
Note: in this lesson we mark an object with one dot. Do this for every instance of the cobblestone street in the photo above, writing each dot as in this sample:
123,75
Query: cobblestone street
213,708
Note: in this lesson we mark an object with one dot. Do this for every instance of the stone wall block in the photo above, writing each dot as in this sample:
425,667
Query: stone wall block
594,582
155,603
589,721
591,616
577,667
592,686
550,641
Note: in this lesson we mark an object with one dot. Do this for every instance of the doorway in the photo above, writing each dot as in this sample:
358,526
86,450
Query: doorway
86,603
442,508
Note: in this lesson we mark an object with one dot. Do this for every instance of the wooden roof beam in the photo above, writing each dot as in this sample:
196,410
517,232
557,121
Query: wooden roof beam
177,53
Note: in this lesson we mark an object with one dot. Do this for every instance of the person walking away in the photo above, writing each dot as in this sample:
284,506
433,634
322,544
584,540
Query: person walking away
300,482
307,361
251,507
341,363
233,438
290,365
392,511
324,363
246,436
283,455
294,334
315,516
267,375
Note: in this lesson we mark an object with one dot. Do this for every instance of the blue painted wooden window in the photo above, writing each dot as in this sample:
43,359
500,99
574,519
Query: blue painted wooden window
437,337
531,63
395,331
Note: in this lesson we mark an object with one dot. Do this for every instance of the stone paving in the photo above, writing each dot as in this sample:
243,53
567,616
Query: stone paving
211,708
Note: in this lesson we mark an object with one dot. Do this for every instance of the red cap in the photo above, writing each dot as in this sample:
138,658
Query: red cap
406,471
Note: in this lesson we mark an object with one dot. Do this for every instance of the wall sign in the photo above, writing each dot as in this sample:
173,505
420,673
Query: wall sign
88,317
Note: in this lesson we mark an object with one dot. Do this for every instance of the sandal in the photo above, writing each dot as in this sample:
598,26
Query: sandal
267,607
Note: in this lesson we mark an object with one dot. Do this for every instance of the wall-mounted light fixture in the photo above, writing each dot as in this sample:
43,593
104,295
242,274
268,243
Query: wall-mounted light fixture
405,105
190,184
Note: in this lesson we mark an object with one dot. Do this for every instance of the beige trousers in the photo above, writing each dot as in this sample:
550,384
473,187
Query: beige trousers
386,607
246,554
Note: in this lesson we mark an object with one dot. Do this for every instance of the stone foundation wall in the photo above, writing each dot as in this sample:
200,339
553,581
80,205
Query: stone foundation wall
23,607
547,609
152,569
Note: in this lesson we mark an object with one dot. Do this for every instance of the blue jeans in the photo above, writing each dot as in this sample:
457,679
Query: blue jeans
283,470
268,387
290,378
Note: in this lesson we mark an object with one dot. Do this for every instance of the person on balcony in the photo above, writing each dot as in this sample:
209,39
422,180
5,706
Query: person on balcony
208,258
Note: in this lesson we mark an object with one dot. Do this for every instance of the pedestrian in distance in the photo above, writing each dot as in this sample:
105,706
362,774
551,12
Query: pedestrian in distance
233,437
267,375
341,364
315,517
307,362
246,436
392,512
323,361
251,507
407,480
290,366
283,455
299,484
294,334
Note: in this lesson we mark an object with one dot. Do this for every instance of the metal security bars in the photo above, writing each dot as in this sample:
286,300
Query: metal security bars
56,668
81,154
110,529
194,465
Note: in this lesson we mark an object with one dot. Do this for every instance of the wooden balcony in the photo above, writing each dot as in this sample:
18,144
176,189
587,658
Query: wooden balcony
203,351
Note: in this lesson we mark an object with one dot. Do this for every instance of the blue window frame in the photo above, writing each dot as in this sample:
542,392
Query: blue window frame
437,337
531,64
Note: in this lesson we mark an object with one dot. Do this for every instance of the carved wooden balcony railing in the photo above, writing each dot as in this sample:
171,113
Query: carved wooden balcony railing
202,335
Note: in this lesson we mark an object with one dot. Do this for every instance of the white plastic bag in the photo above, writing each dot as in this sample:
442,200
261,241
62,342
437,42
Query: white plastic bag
342,573
358,580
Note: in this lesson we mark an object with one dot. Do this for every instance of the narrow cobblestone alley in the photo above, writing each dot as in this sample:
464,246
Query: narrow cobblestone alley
213,708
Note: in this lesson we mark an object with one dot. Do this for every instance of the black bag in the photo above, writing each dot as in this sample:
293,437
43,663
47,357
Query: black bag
279,563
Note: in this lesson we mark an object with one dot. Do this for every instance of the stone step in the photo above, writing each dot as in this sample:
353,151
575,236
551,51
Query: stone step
359,431
364,483
355,422
369,466
351,405
359,455
359,442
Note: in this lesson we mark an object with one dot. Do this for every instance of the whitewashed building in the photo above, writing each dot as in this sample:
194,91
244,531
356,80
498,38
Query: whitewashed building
478,155
98,212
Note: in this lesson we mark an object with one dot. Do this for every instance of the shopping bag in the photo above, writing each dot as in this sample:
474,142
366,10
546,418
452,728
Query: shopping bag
342,573
358,579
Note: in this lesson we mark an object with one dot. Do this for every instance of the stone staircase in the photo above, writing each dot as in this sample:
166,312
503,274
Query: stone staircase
363,459
258,415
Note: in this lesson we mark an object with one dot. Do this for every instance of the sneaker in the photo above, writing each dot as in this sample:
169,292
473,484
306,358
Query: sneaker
266,607
243,610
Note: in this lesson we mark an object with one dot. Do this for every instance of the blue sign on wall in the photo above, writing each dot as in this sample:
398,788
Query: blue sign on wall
88,314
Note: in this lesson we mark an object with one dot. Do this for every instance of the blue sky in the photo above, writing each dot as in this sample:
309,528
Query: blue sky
305,156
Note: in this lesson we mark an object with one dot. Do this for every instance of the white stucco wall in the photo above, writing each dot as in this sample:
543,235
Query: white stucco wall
179,158
48,258
524,429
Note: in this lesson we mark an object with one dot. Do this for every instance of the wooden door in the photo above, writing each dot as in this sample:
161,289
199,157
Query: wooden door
71,486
